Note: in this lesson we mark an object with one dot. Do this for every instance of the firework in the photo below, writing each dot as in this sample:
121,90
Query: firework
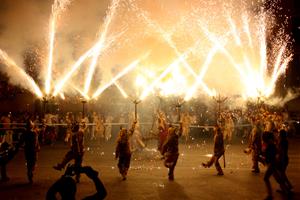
127,69
20,75
100,44
57,8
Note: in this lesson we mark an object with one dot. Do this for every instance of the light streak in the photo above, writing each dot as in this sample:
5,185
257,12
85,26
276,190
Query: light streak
127,69
168,38
124,94
100,44
204,68
57,8
23,78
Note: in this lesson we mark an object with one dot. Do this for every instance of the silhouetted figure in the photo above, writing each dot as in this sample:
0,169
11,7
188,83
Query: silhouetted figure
272,167
283,158
255,145
7,152
31,147
123,151
76,152
66,185
218,151
170,149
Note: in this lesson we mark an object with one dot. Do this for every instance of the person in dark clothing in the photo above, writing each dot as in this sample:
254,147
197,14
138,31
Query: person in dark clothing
66,185
76,152
218,151
283,158
255,145
123,151
271,162
7,152
31,147
170,149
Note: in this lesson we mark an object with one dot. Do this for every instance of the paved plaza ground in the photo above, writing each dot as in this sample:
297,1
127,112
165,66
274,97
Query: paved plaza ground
147,178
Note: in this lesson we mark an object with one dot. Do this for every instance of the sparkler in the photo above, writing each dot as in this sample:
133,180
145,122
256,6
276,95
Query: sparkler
57,8
23,78
100,44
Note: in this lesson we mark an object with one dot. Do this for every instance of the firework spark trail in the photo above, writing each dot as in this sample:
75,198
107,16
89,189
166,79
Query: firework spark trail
246,29
168,38
174,64
23,78
221,47
57,8
276,75
201,75
127,69
78,63
157,80
263,47
238,41
59,86
100,44
124,94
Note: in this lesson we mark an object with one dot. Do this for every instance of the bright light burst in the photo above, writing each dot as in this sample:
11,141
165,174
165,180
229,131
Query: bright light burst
100,44
126,70
22,77
57,8
244,45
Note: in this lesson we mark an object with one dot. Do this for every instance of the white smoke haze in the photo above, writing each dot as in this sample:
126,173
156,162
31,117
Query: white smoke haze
25,23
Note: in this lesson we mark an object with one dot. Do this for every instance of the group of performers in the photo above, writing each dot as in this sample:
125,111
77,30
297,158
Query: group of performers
267,144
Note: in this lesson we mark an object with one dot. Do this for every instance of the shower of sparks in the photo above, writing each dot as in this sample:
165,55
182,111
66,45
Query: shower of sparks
258,82
190,93
23,77
57,8
100,44
59,86
168,38
258,68
126,70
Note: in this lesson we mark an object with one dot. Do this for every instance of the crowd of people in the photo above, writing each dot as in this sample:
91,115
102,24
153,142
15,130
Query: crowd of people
265,131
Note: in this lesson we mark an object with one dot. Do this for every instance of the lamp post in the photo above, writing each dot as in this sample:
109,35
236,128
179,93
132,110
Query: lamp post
45,102
83,108
136,102
178,105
